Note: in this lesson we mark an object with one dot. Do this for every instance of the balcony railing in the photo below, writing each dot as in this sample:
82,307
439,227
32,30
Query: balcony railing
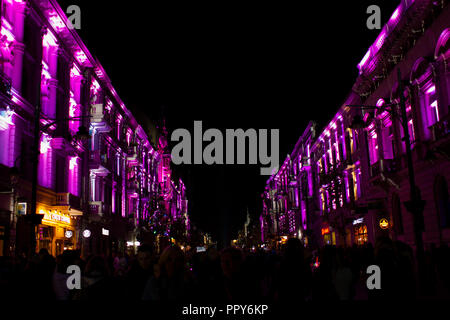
132,186
101,119
384,166
441,129
68,199
96,208
94,159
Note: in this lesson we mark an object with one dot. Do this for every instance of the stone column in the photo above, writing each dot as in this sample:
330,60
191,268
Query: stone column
21,11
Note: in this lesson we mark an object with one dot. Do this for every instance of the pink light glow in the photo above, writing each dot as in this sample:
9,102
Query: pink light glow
431,90
74,72
7,33
95,87
49,40
45,143
6,119
73,163
380,102
380,40
73,105
81,57
395,15
73,175
364,60
56,22
366,117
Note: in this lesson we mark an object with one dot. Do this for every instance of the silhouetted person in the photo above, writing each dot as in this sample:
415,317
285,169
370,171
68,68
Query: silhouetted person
96,283
170,281
140,271
294,281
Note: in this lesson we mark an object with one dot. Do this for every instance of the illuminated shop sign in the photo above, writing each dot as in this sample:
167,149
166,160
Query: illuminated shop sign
358,221
86,233
325,230
105,232
22,208
384,223
55,217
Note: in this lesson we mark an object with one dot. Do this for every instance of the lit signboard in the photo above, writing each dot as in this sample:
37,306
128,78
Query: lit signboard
325,230
22,208
86,233
384,223
56,217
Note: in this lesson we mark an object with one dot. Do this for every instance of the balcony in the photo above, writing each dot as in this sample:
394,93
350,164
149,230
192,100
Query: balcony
133,154
5,86
100,119
132,186
384,166
441,129
94,159
96,208
68,199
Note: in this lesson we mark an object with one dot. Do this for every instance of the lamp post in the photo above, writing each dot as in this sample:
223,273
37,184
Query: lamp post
415,205
82,134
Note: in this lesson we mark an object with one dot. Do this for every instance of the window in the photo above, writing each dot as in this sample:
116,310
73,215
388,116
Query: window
356,175
355,140
361,236
397,214
442,201
412,134
387,136
31,73
429,107
45,163
373,146
74,176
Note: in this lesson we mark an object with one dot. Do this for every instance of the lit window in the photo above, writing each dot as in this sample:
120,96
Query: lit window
429,108
373,146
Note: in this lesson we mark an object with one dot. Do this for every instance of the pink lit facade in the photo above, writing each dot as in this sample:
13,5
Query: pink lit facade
359,176
108,182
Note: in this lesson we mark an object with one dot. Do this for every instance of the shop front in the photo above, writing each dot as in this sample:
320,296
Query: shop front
329,235
360,232
56,232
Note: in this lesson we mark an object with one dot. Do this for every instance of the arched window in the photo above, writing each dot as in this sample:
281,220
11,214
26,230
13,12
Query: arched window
442,201
397,214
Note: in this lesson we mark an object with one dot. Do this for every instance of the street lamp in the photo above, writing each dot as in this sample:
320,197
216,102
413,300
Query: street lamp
415,205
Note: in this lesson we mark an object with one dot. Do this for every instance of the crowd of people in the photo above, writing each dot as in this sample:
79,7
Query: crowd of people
293,273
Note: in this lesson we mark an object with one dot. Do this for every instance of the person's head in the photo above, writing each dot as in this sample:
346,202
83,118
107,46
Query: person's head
63,261
171,261
144,257
231,261
97,267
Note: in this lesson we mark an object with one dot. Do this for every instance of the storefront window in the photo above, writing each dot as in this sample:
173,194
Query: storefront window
361,234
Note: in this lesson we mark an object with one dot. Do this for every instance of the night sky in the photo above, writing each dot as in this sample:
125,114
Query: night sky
231,65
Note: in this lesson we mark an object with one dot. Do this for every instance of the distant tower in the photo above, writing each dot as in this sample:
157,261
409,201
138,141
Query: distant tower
247,223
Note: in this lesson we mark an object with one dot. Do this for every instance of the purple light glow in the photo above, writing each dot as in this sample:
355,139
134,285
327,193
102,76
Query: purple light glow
45,143
73,175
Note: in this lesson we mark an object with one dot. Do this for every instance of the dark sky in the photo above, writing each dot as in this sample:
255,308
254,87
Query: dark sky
231,65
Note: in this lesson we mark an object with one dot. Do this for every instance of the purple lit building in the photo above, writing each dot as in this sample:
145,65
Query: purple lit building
107,185
288,204
359,175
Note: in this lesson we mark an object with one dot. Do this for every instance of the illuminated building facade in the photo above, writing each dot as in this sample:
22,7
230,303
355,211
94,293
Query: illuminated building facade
105,184
359,174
